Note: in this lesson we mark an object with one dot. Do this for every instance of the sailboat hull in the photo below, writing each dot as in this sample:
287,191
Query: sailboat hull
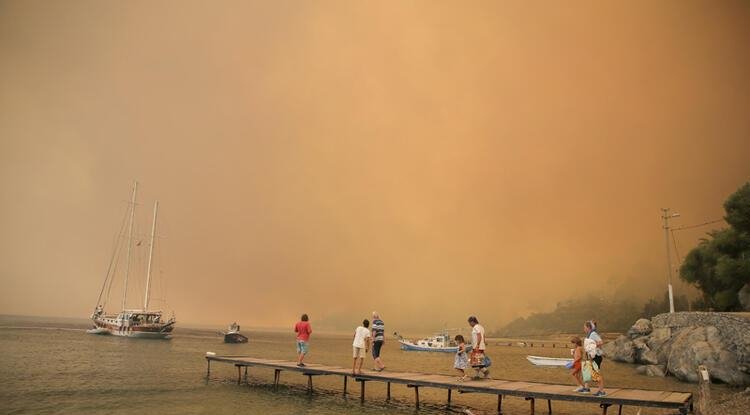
144,335
126,328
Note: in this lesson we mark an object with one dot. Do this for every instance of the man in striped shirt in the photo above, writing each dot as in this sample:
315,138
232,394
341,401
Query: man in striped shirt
378,338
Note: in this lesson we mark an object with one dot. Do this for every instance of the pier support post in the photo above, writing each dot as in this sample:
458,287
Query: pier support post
449,399
605,406
362,390
276,378
239,374
619,410
208,369
388,392
499,404
309,384
416,394
345,378
704,391
549,407
245,374
531,404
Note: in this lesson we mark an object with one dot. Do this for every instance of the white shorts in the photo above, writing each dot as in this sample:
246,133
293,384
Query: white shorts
358,352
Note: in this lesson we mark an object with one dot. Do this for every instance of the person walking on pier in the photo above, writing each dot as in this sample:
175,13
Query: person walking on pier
461,361
378,338
594,351
479,361
360,346
303,330
575,366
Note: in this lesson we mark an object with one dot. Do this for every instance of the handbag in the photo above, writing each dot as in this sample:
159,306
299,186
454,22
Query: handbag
477,358
586,370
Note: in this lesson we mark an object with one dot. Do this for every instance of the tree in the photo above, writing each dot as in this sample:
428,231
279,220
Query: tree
720,265
737,207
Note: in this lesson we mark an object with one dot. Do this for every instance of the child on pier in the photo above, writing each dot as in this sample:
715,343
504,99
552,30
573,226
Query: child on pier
575,369
462,361
360,346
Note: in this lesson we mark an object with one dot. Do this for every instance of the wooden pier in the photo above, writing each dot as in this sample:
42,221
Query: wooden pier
530,391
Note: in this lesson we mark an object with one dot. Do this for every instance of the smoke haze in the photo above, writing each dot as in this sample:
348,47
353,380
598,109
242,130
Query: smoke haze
429,160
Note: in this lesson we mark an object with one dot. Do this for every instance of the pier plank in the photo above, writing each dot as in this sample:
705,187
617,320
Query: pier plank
677,397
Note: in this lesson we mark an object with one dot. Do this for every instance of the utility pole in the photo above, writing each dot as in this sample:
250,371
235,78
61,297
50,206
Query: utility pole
666,216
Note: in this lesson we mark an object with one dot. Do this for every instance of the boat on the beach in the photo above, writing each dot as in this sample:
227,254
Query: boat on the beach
439,342
233,334
130,322
548,361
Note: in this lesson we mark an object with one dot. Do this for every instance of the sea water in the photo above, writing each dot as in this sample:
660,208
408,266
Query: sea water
53,366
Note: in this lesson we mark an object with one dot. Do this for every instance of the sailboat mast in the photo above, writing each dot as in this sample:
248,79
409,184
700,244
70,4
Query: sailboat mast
150,256
130,244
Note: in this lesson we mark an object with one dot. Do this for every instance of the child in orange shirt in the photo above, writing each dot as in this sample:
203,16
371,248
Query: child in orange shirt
575,370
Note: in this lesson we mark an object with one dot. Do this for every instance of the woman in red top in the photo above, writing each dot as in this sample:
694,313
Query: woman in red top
303,330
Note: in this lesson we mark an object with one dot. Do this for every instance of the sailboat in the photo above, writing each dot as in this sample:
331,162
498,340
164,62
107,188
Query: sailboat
129,322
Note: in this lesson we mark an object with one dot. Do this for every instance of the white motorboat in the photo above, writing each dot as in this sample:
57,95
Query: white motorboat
548,361
439,342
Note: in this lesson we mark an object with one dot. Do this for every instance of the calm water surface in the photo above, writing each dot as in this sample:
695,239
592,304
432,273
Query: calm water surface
55,367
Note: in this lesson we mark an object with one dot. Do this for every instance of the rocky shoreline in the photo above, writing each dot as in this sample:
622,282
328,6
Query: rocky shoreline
737,404
675,344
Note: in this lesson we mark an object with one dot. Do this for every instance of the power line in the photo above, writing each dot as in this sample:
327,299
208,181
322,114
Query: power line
674,241
682,228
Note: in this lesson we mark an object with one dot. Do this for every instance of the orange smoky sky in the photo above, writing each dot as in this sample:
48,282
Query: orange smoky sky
426,159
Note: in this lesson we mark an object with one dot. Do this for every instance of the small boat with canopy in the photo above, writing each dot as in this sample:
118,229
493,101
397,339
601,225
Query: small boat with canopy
232,335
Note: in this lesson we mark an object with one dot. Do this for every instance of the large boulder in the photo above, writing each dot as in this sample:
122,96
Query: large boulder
648,357
620,350
652,370
625,349
654,342
656,370
608,349
693,346
642,353
642,327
